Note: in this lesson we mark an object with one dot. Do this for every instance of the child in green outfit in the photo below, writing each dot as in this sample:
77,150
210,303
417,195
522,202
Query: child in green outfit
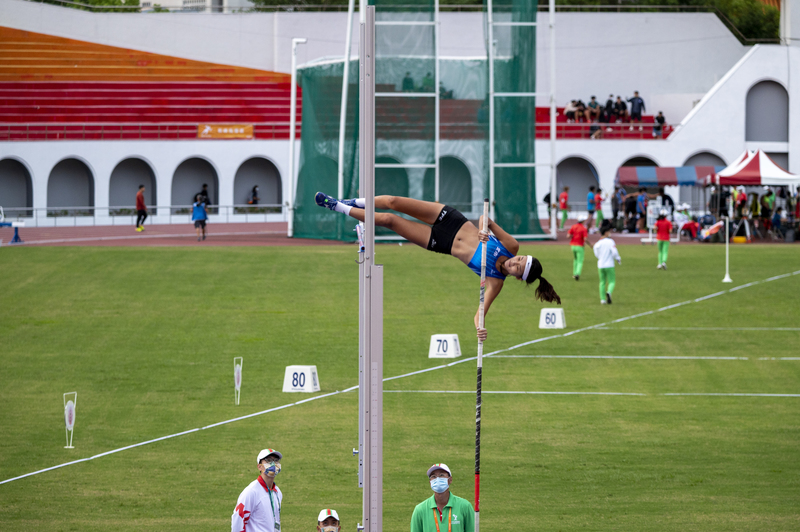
606,252
578,234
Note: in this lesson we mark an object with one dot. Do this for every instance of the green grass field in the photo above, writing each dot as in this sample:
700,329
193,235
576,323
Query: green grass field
146,336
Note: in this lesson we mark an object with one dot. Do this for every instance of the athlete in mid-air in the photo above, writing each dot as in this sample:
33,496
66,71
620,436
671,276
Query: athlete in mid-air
447,231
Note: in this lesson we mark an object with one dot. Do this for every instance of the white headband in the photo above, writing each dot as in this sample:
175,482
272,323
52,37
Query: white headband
527,268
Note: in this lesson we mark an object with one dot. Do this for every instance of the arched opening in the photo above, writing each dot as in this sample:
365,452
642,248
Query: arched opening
258,172
578,174
16,189
696,196
124,185
767,113
640,161
455,184
70,184
390,181
188,181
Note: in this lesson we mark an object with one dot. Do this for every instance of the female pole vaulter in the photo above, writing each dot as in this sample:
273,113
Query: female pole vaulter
445,230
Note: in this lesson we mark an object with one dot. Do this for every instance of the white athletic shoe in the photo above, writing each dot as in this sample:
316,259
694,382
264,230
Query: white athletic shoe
663,265
659,267
603,302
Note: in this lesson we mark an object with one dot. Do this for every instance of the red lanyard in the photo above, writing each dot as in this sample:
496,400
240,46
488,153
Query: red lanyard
449,520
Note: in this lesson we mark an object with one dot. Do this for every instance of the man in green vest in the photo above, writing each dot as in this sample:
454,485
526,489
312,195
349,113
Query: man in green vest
443,511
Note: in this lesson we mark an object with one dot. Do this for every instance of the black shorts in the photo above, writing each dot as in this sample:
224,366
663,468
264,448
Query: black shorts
636,116
445,229
198,224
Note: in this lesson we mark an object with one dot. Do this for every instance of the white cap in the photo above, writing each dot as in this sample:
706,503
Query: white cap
582,217
443,467
326,513
663,212
266,452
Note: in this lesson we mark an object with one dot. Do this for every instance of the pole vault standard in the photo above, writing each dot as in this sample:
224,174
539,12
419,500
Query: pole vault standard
370,390
480,371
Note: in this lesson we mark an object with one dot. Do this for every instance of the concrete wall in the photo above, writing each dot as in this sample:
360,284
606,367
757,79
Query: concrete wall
100,158
672,59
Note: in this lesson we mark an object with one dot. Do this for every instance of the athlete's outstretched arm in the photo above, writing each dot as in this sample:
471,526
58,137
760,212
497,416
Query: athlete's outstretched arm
493,287
508,241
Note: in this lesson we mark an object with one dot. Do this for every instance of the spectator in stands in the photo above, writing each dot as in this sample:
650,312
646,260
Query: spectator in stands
658,128
428,83
621,110
570,109
580,114
617,203
141,209
592,110
777,228
546,201
740,201
204,195
766,207
408,83
199,217
444,94
691,227
666,200
637,106
612,114
254,196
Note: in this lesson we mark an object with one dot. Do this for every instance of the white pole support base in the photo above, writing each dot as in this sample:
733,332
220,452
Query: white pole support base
552,318
444,346
301,379
727,279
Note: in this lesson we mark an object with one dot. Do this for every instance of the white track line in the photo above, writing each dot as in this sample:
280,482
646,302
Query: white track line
142,237
633,357
793,329
531,342
472,392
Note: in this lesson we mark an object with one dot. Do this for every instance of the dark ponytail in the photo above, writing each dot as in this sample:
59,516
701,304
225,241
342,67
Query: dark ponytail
545,291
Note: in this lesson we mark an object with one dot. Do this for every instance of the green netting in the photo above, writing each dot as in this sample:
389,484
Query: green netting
515,117
405,124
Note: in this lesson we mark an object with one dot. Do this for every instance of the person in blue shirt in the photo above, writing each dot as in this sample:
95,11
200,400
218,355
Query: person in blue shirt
445,230
199,217
776,223
637,106
590,207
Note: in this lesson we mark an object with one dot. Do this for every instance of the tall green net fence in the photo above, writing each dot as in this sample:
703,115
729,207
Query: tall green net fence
405,128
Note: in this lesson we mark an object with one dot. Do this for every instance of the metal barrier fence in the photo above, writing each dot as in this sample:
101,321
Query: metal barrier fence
126,215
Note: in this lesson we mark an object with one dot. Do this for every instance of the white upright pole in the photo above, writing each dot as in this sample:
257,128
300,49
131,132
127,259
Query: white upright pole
490,52
727,278
345,86
292,126
437,104
553,192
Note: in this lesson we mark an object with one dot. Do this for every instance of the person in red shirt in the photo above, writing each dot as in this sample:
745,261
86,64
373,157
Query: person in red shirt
578,234
563,204
663,229
141,209
692,226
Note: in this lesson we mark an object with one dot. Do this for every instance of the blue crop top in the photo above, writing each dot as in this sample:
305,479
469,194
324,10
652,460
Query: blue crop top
493,252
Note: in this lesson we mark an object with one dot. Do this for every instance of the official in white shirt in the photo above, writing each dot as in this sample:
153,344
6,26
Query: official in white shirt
258,508
606,252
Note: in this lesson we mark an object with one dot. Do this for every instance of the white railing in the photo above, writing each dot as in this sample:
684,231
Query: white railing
81,216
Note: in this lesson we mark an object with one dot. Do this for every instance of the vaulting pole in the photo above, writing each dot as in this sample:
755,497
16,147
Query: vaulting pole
485,228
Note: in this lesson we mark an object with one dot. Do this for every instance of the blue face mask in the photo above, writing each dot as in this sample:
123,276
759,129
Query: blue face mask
273,467
440,485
